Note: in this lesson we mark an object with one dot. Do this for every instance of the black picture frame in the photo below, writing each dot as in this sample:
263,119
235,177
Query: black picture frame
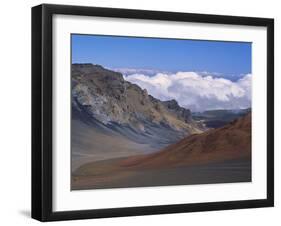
42,111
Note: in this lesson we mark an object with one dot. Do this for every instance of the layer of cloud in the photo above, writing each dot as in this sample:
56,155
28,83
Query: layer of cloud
130,71
196,91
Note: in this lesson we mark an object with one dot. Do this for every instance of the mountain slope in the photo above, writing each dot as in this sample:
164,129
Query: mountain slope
232,141
220,155
113,118
102,98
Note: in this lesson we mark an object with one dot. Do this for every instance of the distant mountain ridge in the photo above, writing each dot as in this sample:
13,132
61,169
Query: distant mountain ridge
102,98
220,117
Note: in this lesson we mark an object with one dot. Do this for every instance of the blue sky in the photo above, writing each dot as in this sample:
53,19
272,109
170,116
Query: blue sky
227,58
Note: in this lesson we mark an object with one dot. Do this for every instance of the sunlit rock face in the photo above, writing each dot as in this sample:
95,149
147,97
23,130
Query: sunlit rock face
103,98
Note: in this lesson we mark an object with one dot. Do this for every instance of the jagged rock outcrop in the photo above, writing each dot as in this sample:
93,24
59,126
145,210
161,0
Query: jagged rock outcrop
180,112
102,97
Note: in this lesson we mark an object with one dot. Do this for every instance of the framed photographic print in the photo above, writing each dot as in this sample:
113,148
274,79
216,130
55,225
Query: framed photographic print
145,112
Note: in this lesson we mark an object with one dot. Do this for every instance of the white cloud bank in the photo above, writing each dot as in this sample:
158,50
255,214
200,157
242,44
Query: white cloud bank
195,91
130,71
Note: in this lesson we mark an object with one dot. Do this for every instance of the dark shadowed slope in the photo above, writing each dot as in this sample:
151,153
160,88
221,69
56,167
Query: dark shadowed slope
219,118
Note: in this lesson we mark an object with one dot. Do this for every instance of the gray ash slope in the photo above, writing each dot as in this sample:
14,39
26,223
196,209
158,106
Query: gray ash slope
103,100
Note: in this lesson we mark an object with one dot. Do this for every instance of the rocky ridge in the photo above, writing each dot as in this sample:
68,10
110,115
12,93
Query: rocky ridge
102,97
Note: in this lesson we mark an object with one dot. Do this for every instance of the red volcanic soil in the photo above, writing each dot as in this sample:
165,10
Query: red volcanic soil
232,141
215,156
